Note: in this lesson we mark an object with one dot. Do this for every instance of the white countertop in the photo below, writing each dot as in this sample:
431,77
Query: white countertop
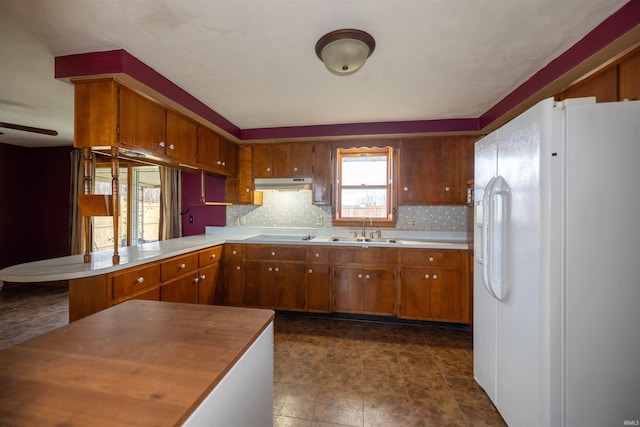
73,267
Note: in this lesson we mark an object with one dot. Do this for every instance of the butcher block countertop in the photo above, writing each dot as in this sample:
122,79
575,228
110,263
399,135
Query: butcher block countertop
140,363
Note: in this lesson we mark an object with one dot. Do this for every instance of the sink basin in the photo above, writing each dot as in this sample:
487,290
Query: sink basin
362,239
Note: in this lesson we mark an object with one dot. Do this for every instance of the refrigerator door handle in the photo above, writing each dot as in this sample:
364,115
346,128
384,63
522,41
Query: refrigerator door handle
499,202
486,234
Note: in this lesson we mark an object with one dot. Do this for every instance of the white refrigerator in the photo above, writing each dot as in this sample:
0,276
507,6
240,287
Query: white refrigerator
556,332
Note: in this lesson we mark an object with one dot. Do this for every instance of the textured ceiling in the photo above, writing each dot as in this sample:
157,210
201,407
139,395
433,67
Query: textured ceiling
253,61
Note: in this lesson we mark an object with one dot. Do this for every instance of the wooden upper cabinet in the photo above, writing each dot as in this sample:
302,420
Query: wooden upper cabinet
141,123
287,160
629,77
300,159
435,170
95,113
216,154
321,174
457,161
420,171
181,138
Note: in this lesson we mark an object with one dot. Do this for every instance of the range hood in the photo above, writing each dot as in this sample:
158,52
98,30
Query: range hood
283,184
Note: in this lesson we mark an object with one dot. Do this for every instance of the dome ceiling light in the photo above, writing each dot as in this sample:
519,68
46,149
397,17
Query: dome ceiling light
345,51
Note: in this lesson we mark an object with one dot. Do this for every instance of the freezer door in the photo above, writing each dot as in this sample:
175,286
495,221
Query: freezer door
484,305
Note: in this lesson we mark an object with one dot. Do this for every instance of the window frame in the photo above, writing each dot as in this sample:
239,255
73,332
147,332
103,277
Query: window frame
387,150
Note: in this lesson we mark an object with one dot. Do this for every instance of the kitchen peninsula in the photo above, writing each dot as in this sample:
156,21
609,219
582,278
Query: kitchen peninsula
144,363
414,275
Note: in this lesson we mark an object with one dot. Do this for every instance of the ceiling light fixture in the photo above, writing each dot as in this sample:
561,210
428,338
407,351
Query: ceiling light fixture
345,51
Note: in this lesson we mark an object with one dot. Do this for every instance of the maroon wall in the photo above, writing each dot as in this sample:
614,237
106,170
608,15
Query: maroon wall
34,207
202,215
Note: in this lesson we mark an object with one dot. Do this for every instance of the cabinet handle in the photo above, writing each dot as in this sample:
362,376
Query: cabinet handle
273,253
213,256
359,276
140,279
270,269
366,276
435,276
234,252
310,270
426,276
277,269
237,267
247,190
161,144
203,277
430,259
268,169
406,189
317,255
224,163
183,266
196,280
295,169
219,163
172,147
446,188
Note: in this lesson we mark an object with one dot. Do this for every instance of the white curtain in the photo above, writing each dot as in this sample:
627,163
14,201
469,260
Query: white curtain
170,203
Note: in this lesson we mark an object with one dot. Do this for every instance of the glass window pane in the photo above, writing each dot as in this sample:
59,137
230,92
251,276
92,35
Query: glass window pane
145,205
103,225
364,170
364,203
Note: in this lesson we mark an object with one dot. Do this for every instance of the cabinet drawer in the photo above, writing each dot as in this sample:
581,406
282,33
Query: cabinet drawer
276,253
135,280
209,256
370,255
178,266
317,255
233,251
430,258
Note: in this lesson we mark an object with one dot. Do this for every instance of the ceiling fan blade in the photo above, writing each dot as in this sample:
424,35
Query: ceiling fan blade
29,129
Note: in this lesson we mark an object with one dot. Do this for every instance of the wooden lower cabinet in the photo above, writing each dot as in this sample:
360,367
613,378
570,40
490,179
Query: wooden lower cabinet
434,285
190,278
184,289
364,290
317,288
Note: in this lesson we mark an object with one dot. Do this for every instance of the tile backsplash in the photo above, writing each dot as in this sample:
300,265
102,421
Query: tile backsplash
294,209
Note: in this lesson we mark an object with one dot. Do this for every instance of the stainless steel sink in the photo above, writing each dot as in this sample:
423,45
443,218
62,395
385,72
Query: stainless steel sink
362,239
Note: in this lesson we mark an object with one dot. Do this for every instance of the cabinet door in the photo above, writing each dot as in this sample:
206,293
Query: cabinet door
280,160
288,286
207,285
446,296
420,172
257,284
208,150
141,123
300,159
245,176
262,162
184,289
181,140
321,174
457,169
317,288
234,282
228,157
347,291
379,292
415,293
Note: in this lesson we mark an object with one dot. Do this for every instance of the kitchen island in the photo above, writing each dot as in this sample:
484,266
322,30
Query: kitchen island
144,363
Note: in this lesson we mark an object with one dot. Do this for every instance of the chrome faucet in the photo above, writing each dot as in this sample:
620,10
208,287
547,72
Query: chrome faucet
364,229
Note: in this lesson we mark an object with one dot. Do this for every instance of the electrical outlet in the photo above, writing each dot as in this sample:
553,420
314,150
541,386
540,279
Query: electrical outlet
413,222
320,221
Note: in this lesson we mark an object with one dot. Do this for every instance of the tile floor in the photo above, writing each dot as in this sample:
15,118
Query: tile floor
328,372
348,373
